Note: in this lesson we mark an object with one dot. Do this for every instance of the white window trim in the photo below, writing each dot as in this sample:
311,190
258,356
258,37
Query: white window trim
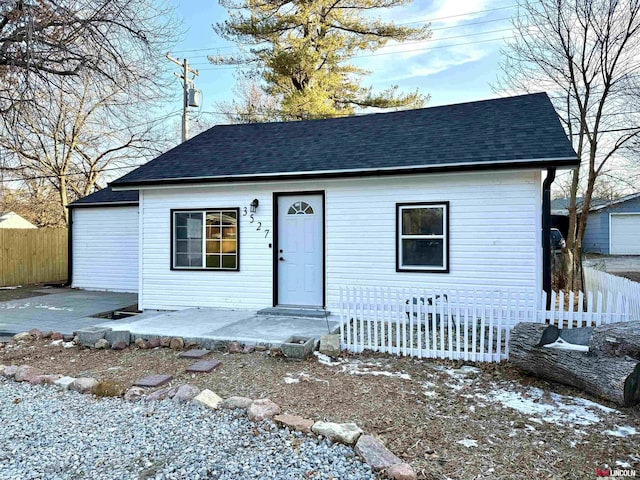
444,237
203,266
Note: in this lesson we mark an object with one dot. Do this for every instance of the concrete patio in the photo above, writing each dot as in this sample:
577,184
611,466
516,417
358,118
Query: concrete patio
65,311
69,310
207,325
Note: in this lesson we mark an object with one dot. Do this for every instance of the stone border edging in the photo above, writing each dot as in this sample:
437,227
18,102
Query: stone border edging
371,450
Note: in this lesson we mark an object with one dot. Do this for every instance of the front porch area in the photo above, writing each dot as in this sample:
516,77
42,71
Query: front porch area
207,326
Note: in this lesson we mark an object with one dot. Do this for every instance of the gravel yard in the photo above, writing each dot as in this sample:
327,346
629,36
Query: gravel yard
449,420
49,434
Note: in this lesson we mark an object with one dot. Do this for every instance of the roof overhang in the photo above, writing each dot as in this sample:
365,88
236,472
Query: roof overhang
102,204
540,163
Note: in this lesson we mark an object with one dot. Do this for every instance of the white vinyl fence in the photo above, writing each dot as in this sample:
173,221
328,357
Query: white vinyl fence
599,281
458,324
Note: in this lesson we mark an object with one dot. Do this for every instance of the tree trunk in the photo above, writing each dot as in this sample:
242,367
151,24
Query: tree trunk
613,378
617,340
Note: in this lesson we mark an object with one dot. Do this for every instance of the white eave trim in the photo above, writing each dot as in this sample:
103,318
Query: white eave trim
184,180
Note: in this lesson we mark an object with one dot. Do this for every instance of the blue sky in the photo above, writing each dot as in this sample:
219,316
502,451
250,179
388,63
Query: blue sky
456,65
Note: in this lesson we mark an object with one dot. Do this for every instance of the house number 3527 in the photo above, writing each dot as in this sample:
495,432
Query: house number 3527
245,212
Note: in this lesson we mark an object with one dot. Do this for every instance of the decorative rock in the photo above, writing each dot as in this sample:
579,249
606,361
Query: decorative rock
57,336
347,433
83,384
117,336
176,343
330,345
134,393
375,453
262,409
248,349
22,336
153,342
10,371
209,399
191,345
35,333
186,393
260,348
141,344
101,344
237,402
275,352
47,334
165,342
108,389
43,379
235,347
167,392
24,372
64,382
401,471
88,336
71,338
119,346
294,422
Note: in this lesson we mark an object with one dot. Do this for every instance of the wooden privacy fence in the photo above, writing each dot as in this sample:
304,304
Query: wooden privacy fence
32,255
457,324
598,281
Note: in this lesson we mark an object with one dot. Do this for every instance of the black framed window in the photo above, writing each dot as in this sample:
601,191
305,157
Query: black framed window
205,239
422,233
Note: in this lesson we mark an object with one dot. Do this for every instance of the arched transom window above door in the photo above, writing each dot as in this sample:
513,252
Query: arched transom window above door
300,208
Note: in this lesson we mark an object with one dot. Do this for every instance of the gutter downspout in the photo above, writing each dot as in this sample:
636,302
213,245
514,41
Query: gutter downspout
546,233
69,249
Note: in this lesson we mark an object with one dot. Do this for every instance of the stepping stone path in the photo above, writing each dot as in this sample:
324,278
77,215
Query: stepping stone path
153,381
194,353
203,366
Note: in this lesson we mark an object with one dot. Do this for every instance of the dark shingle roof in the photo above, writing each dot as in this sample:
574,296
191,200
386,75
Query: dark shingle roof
467,135
109,197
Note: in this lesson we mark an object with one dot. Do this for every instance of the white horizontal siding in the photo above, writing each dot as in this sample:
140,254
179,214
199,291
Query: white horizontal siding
105,248
494,236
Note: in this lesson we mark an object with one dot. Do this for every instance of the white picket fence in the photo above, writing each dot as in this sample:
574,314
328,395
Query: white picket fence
599,281
458,324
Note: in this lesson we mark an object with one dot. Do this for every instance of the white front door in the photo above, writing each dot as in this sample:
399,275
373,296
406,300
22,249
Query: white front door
300,250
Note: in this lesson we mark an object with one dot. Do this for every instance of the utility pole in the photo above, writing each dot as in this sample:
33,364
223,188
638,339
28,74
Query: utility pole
187,99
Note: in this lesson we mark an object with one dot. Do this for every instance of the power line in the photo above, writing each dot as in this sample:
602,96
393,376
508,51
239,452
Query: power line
466,35
399,24
393,53
71,174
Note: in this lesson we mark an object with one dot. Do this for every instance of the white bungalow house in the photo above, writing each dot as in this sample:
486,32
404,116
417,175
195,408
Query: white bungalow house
284,214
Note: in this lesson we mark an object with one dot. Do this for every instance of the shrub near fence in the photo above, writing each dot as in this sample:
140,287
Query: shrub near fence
32,255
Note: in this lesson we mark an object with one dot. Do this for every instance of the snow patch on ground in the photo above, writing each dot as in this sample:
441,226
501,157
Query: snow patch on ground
326,359
623,464
55,309
292,378
368,369
624,431
14,287
468,442
360,368
549,407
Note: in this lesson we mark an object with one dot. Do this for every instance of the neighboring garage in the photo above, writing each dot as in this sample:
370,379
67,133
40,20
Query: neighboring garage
104,241
614,228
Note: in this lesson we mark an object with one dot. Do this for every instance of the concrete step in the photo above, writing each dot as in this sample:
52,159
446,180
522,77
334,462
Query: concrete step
294,312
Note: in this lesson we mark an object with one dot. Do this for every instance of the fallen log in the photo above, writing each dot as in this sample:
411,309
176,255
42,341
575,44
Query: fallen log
617,339
614,378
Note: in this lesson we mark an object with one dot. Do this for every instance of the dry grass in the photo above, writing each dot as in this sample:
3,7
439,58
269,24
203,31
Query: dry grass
421,419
